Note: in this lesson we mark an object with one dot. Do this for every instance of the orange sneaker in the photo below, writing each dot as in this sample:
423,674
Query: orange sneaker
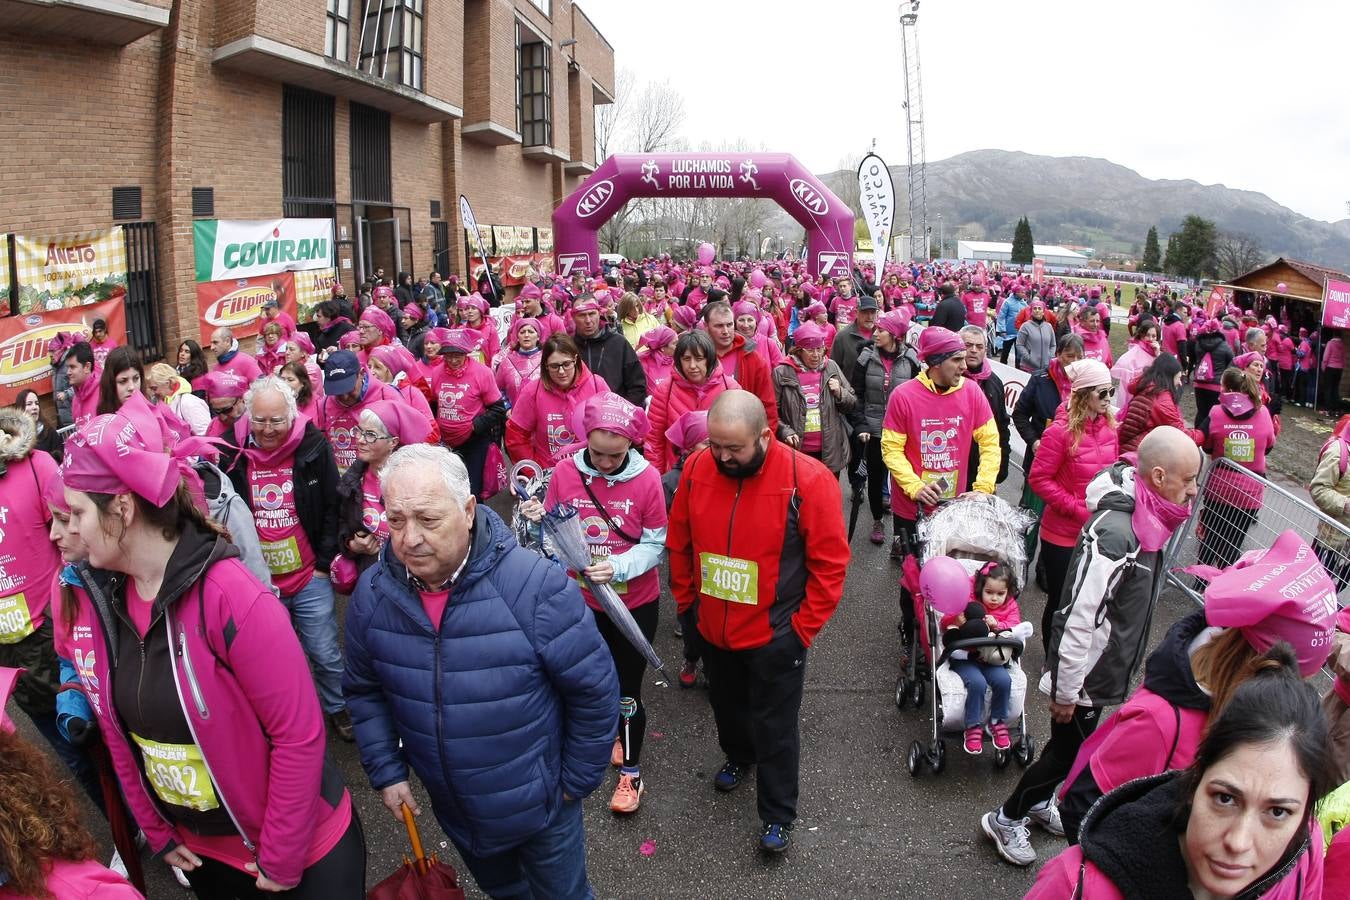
627,795
616,755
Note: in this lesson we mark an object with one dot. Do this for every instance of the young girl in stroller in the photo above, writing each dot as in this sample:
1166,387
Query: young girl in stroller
993,610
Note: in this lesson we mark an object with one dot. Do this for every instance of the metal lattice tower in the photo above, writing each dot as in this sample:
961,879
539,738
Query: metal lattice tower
918,183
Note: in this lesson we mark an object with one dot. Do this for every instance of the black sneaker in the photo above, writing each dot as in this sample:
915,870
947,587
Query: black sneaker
775,838
342,724
730,777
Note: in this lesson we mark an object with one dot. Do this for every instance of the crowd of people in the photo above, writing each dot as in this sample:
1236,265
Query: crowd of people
173,568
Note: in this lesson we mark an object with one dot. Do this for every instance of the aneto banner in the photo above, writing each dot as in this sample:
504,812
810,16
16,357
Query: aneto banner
70,271
23,343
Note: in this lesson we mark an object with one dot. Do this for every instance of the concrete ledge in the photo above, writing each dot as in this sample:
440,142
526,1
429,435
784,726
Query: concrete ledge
266,58
544,153
490,133
116,22
577,167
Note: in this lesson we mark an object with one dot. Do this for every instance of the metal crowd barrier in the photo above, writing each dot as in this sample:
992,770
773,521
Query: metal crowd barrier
1222,527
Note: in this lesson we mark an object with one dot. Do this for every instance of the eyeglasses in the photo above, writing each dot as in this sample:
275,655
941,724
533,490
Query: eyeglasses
366,326
273,422
562,366
1106,394
220,411
371,437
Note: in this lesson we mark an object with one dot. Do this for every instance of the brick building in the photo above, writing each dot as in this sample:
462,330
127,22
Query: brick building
377,113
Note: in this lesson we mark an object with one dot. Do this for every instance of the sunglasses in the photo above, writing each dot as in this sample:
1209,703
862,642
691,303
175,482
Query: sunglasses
1106,393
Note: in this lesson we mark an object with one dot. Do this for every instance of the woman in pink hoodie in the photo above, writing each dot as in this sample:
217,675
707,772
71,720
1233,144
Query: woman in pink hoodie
540,424
694,384
1238,822
473,314
1141,353
519,365
1241,430
656,351
201,690
1079,443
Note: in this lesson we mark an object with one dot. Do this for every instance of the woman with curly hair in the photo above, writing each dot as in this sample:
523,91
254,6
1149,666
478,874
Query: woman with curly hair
45,851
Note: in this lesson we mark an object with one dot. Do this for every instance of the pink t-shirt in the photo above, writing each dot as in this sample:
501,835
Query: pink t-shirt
373,519
939,430
845,310
810,382
434,602
28,558
459,397
285,546
138,609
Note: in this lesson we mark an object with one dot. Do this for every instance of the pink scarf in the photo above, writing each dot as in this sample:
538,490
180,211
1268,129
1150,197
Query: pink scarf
1155,517
982,374
278,454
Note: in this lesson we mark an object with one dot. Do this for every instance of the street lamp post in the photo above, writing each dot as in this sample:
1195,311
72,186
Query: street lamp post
942,244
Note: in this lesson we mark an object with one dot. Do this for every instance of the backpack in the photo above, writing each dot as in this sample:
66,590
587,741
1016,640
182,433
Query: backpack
1205,370
227,509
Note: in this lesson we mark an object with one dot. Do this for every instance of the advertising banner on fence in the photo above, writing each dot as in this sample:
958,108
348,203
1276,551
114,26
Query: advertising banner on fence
70,271
311,289
1336,304
23,343
513,270
237,304
231,250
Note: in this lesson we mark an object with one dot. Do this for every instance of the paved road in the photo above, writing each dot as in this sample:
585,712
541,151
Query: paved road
867,828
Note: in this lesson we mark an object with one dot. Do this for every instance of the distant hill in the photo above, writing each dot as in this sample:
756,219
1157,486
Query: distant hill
1094,202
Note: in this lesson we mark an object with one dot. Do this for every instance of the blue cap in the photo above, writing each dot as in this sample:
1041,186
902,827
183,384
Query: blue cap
341,372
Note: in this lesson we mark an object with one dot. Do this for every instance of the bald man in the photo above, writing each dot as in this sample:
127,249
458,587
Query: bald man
1101,621
763,563
231,359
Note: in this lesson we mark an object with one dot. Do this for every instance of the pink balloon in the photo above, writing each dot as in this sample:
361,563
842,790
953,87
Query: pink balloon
1282,288
706,253
945,585
758,279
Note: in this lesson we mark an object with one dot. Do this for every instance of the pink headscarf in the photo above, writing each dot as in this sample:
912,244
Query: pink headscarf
657,338
396,359
809,336
513,335
688,430
111,456
610,412
402,421
380,319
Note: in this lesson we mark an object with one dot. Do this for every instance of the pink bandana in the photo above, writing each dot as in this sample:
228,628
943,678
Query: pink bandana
1155,517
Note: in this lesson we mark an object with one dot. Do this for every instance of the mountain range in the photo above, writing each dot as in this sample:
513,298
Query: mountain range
1097,203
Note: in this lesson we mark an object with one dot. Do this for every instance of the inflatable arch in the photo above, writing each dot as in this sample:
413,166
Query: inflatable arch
771,176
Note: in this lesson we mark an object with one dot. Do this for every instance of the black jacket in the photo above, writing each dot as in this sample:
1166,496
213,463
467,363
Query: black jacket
316,481
1216,346
1035,410
950,314
873,389
328,338
992,387
350,503
609,355
846,347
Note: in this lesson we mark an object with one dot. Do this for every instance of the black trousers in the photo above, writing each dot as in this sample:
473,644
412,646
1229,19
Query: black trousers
630,665
1039,780
692,640
908,530
877,475
1055,562
756,697
1204,402
340,875
474,454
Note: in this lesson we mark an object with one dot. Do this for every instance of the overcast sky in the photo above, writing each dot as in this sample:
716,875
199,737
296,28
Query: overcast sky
1245,94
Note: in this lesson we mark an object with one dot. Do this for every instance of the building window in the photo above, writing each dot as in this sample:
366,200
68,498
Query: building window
534,101
371,171
544,6
337,33
307,178
391,41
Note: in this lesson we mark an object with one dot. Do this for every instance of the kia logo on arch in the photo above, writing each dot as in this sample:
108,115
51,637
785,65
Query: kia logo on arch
594,198
809,197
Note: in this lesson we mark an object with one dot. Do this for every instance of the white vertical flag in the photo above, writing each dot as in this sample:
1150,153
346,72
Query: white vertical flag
876,196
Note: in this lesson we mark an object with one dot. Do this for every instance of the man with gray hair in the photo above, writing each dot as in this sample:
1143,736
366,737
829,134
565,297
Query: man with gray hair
982,373
282,467
476,663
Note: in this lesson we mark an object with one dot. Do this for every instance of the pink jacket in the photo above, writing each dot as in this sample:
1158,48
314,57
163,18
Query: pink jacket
515,370
1282,349
657,367
1060,474
540,424
678,397
1006,616
84,403
243,365
85,880
250,702
1245,441
28,558
1333,354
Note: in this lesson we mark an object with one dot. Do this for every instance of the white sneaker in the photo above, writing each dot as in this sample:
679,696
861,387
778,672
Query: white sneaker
182,878
1046,815
116,864
1013,842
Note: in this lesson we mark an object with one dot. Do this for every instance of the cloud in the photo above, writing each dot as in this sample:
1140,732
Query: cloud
1240,93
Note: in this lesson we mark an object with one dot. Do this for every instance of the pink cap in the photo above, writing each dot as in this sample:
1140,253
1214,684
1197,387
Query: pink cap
1247,359
688,430
610,412
1087,373
895,323
380,319
585,304
815,308
531,291
1280,594
413,311
809,336
936,341
395,358
402,421
223,384
459,340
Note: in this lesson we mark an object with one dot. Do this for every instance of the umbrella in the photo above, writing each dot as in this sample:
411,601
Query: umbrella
857,479
420,878
563,527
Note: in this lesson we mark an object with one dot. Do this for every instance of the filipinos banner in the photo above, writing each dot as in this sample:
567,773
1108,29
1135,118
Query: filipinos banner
513,270
876,197
237,304
70,271
1336,304
231,250
23,343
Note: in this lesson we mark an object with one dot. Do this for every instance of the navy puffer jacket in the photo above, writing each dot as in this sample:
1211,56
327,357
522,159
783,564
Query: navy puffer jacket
512,704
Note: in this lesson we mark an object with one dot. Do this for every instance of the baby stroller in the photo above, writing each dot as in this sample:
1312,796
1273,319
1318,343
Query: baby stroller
973,531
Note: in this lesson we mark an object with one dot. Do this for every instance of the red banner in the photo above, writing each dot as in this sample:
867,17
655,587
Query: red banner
513,270
237,304
23,343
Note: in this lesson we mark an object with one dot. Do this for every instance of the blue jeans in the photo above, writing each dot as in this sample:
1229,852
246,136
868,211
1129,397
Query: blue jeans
552,863
977,676
315,619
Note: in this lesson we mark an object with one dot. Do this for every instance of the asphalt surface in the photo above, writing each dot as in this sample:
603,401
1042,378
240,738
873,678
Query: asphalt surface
866,827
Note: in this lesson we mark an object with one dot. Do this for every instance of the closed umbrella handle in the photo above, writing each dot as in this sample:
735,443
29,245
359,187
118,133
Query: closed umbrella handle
419,855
